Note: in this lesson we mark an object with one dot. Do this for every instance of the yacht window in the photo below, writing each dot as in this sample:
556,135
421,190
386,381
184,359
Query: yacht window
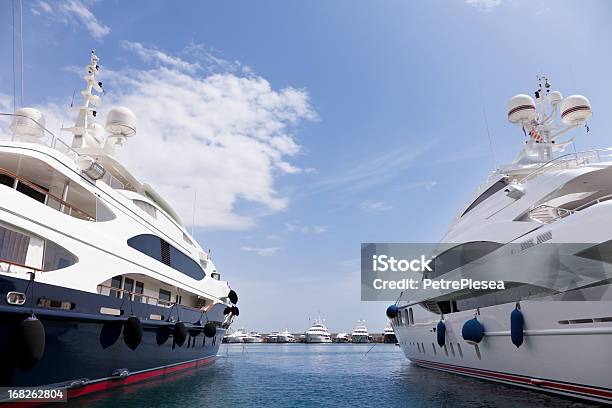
146,207
32,193
139,290
128,285
460,255
13,246
498,185
7,180
158,249
411,317
164,295
57,257
116,284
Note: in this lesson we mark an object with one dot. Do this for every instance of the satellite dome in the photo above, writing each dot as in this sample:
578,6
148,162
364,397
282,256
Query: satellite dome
575,110
521,109
29,123
121,121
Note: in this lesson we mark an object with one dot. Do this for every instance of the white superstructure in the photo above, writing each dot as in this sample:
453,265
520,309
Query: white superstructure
236,337
542,225
318,333
79,206
360,333
252,337
285,337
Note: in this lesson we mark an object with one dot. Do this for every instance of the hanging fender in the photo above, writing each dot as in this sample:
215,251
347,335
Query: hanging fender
517,322
472,331
29,343
132,332
441,333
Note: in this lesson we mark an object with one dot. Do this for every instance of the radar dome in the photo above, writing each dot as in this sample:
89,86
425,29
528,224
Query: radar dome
575,110
121,121
521,109
29,123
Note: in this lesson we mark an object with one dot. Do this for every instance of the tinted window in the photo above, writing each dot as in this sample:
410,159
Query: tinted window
158,249
461,255
164,295
13,246
488,193
57,257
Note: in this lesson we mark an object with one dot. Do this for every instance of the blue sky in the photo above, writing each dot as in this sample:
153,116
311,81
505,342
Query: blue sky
310,127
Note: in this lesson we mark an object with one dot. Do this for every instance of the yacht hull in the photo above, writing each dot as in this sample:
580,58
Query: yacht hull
360,339
85,350
317,339
557,356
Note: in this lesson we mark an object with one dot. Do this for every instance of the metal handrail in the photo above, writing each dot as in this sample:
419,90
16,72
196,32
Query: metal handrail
567,211
11,263
133,295
45,193
560,160
54,138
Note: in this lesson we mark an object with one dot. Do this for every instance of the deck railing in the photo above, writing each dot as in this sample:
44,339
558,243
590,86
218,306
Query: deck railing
570,160
19,265
121,293
63,205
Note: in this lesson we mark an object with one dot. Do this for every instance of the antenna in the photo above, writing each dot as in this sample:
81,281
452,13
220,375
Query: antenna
14,79
195,195
21,44
484,113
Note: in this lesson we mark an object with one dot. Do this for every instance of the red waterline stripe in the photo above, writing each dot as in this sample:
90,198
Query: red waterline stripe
134,378
519,379
108,384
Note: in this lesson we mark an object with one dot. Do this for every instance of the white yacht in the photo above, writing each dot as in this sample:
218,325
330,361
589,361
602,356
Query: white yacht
318,333
285,337
360,333
389,335
343,337
272,337
101,284
252,337
542,225
236,337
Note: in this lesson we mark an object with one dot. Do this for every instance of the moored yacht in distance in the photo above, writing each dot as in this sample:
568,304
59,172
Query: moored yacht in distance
389,335
360,333
285,337
236,337
252,337
541,224
101,284
342,338
272,337
317,333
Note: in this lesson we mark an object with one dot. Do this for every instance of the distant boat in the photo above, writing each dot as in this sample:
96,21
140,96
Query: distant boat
236,337
389,335
318,333
360,333
343,338
252,337
272,337
285,337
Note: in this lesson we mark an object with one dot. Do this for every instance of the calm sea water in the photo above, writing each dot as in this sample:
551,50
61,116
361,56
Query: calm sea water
301,375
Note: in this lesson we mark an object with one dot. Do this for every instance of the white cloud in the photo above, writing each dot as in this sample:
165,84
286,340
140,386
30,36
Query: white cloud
73,12
375,206
483,5
305,229
227,136
152,54
261,251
